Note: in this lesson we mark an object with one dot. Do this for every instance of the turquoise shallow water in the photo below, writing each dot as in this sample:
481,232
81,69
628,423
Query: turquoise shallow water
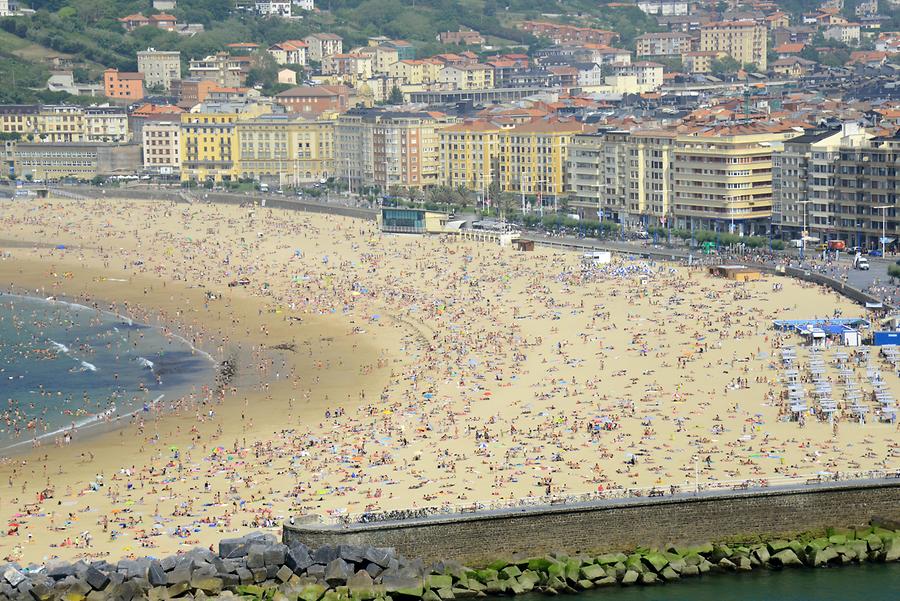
65,365
869,582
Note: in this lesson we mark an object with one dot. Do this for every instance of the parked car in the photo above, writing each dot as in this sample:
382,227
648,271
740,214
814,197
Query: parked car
875,253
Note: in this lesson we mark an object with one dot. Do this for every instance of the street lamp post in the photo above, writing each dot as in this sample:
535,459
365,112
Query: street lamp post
883,209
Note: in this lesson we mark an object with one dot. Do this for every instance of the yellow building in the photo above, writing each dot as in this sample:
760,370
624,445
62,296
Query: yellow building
529,158
744,41
409,71
49,123
286,149
468,154
209,148
385,56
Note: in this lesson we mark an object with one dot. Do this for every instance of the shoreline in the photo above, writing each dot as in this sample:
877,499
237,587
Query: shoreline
101,423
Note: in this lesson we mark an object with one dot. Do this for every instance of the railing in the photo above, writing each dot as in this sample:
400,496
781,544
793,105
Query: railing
684,490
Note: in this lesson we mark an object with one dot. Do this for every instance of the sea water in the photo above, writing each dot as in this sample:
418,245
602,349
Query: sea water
866,582
66,368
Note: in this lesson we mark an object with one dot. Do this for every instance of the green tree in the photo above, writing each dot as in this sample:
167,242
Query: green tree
725,66
396,96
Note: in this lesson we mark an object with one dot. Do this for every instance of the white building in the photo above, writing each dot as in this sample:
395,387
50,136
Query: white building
107,124
590,76
648,75
305,4
159,67
663,8
162,147
164,5
273,8
320,45
7,8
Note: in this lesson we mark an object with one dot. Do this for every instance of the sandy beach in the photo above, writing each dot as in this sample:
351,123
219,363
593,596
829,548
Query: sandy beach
386,372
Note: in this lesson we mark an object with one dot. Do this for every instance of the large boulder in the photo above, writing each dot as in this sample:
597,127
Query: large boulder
380,557
630,577
891,549
820,557
403,586
656,561
785,557
337,572
94,577
593,572
325,554
438,581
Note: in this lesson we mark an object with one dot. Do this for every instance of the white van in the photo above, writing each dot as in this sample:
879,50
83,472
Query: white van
862,263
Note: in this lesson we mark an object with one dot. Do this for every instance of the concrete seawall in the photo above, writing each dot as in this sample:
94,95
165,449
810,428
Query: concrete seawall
607,526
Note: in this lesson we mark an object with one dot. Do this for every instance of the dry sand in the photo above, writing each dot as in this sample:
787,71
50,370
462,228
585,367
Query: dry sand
453,373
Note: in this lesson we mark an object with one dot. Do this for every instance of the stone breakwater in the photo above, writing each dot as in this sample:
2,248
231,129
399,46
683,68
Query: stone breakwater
258,566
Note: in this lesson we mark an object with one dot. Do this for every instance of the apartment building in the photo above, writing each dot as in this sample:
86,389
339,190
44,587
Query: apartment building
527,157
828,183
349,67
622,176
320,45
847,33
161,146
388,149
107,124
744,41
723,177
209,147
286,149
47,161
466,77
20,119
866,177
718,178
226,70
469,154
159,67
289,52
386,55
43,123
666,43
532,156
648,75
123,86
